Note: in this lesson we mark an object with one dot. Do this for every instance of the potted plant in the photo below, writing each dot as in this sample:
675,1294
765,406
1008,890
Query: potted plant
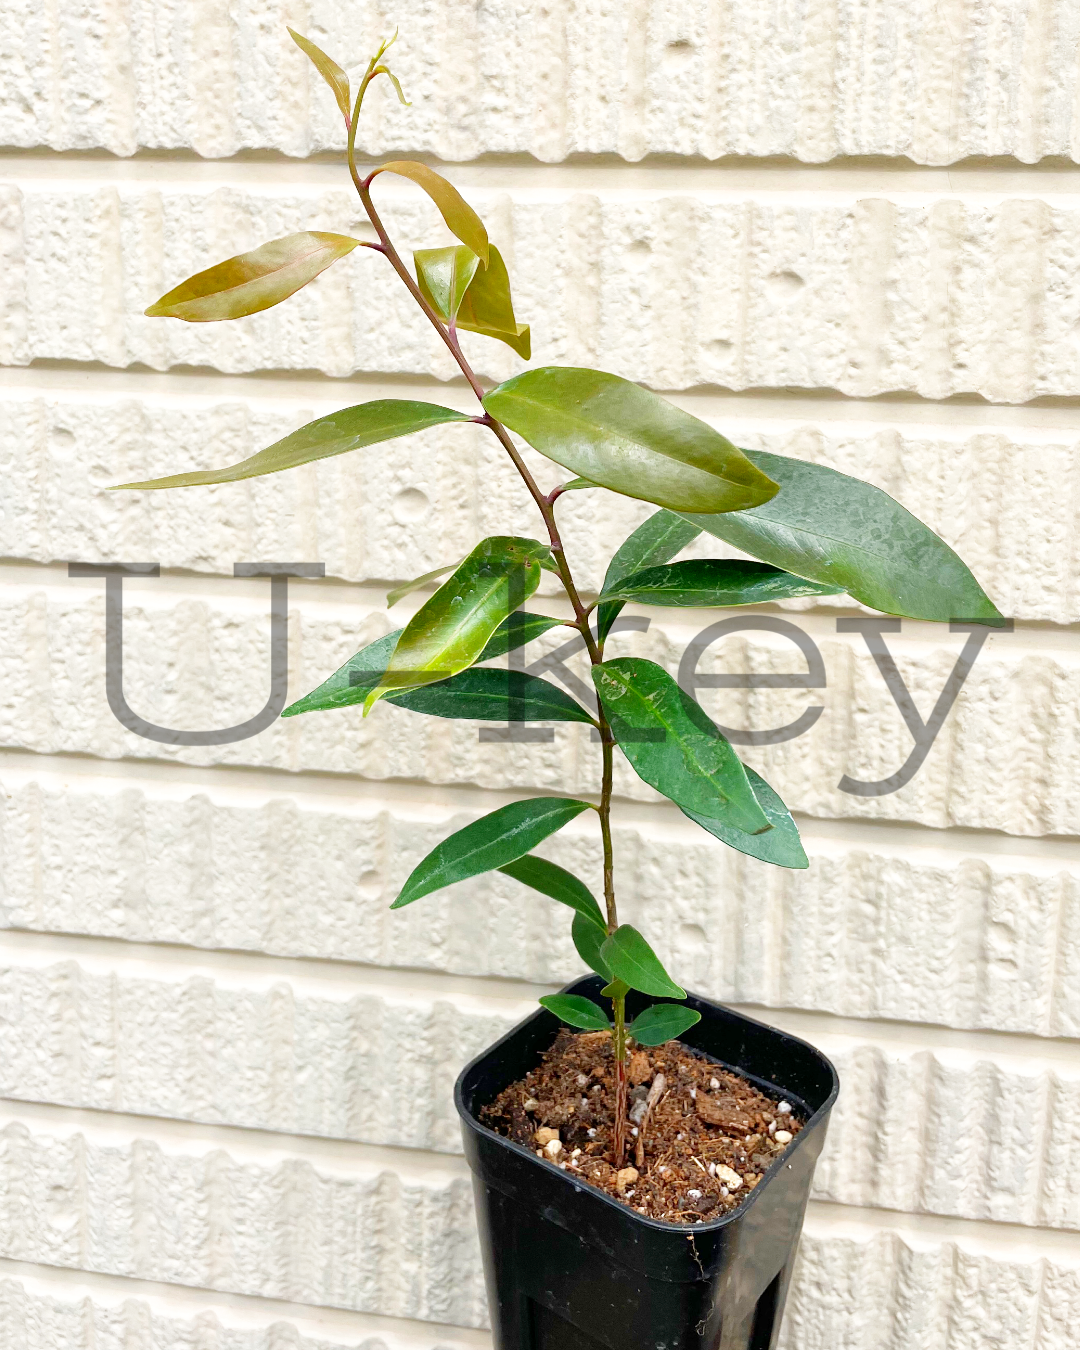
643,1157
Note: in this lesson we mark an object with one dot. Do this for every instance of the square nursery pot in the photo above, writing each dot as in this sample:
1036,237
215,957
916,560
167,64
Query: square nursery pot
568,1268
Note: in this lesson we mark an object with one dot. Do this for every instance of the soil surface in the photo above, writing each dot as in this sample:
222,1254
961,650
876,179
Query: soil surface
699,1139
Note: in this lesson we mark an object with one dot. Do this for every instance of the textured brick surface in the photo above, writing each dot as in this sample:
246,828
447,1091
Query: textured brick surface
315,878
401,509
935,296
201,662
932,82
978,1137
280,1228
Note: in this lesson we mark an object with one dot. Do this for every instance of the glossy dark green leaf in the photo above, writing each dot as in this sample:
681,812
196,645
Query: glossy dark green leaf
515,631
630,959
656,540
365,424
489,843
489,310
352,682
714,583
780,845
253,281
673,745
407,588
626,438
460,219
452,628
331,72
577,1011
662,1022
552,880
487,694
443,275
841,531
588,939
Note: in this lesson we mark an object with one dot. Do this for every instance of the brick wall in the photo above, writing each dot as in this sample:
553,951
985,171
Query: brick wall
844,231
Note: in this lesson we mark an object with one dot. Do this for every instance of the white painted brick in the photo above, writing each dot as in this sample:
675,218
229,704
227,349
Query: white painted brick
930,82
49,1314
938,297
264,1054
202,662
884,930
271,1227
870,1290
951,1133
415,504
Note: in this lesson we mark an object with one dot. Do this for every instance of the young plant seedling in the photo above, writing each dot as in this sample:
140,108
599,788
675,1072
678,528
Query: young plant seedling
813,532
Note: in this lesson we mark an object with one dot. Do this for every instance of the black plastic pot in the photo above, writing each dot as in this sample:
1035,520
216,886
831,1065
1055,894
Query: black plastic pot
568,1268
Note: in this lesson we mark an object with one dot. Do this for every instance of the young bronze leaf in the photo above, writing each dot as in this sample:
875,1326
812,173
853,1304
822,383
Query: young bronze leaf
656,540
443,275
626,438
714,583
337,434
632,960
662,1022
673,745
254,281
488,843
576,1011
488,309
844,532
781,845
552,880
331,72
453,627
461,220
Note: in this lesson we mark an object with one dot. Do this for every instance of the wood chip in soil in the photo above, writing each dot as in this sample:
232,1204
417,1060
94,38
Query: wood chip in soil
694,1155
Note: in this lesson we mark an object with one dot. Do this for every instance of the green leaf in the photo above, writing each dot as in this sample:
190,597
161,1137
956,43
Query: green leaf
331,72
556,882
407,588
487,694
515,631
632,960
714,583
588,939
489,843
452,628
662,1022
576,484
656,540
616,989
254,281
443,275
337,434
489,310
628,439
673,745
780,845
577,1011
841,531
460,219
352,682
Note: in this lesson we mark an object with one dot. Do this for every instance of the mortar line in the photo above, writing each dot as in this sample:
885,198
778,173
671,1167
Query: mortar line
423,799
72,380
315,976
185,1301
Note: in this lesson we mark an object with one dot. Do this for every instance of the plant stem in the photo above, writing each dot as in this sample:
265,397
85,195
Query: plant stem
618,1005
546,507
